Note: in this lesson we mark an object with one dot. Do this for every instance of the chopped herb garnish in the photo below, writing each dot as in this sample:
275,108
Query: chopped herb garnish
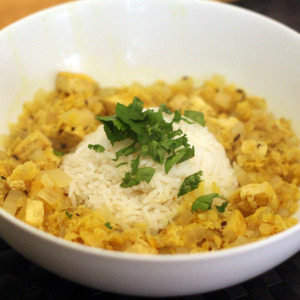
58,153
142,174
137,174
190,183
186,120
96,148
204,203
121,164
2,177
196,116
108,225
113,128
221,208
69,215
126,151
165,109
151,136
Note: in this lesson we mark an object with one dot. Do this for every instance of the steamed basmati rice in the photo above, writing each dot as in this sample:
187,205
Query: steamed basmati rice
96,179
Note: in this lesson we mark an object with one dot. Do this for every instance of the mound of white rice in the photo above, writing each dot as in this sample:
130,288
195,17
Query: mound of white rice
96,179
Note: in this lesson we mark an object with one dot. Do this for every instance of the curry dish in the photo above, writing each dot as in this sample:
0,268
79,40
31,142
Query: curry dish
263,151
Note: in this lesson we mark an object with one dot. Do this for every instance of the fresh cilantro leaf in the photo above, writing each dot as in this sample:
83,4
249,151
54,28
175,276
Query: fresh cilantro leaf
114,128
165,109
154,117
123,113
129,180
145,173
127,151
221,208
114,121
167,144
189,153
105,119
174,133
151,150
172,160
144,149
97,148
160,154
113,133
135,110
177,116
121,164
196,116
190,183
135,165
186,120
144,139
155,132
57,153
179,156
181,141
204,202
69,215
108,225
142,174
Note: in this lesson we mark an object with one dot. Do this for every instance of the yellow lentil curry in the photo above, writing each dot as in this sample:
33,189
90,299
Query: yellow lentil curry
264,152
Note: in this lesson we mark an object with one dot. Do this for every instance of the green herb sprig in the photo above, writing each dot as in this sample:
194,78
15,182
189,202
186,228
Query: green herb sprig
108,225
151,136
97,148
137,174
204,203
69,215
190,183
58,153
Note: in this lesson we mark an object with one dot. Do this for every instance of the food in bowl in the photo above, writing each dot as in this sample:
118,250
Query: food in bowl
158,169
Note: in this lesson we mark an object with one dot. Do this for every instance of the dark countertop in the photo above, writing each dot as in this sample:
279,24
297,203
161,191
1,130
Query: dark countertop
284,11
20,279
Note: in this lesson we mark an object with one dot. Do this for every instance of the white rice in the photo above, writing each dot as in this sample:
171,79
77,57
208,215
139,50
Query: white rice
96,180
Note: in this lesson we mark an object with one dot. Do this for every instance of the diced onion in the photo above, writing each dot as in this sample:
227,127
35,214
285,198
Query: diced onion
11,201
59,177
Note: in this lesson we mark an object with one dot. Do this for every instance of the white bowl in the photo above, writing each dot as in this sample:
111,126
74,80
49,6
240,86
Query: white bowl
120,41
